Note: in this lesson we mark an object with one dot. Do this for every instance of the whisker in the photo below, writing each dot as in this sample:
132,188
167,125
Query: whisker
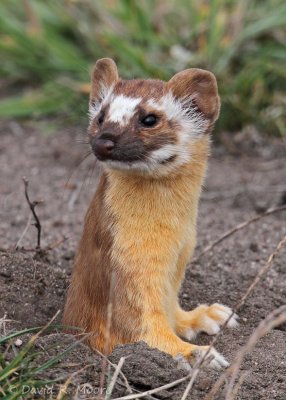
79,141
92,172
83,158
87,177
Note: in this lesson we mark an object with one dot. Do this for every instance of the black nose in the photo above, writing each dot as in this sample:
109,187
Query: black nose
102,148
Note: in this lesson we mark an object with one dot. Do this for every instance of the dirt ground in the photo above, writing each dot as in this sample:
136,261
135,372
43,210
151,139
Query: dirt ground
33,287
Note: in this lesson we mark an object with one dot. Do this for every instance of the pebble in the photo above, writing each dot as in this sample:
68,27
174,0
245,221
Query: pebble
6,274
204,384
18,342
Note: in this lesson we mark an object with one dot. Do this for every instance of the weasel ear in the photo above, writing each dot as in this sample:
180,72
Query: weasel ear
198,90
104,75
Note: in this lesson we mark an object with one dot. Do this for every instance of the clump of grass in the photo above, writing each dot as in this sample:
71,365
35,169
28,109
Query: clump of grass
21,374
47,49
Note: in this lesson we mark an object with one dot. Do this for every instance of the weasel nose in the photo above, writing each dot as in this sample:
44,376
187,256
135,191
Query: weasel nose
102,148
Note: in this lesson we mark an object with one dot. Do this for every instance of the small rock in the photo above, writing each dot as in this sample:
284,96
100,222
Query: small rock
69,255
254,247
6,274
18,342
204,384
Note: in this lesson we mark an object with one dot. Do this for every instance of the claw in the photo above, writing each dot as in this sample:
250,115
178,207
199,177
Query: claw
216,360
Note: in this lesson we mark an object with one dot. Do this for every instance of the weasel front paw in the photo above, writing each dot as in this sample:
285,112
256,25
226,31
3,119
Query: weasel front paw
214,359
208,319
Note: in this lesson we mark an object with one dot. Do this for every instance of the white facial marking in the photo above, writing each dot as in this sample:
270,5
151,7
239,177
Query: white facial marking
163,153
169,150
192,122
191,125
104,95
122,109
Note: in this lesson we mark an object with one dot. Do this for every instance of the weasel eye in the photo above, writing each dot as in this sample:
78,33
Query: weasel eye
149,120
101,118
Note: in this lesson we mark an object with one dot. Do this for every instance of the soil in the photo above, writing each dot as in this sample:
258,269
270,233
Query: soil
33,284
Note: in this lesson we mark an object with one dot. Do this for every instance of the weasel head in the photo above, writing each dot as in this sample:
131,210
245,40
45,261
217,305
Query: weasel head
147,126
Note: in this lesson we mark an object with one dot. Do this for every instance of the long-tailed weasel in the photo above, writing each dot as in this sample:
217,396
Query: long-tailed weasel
152,140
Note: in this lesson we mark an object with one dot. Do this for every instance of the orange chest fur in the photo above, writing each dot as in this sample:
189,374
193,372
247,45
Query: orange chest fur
152,220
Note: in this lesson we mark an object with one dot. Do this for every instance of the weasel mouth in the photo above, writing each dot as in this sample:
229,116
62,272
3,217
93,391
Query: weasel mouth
123,150
128,157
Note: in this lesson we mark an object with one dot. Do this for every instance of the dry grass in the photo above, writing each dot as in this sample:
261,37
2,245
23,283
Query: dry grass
276,318
237,228
47,49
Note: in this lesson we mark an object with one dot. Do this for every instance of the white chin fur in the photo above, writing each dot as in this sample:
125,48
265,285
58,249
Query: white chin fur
150,167
138,166
154,163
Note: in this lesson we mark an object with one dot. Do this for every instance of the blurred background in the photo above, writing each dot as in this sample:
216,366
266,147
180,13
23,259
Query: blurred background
47,48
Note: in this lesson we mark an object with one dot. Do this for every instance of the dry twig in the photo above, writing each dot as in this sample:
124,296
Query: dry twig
63,388
107,335
251,287
156,390
237,228
276,318
37,224
190,384
261,272
3,321
128,388
239,383
114,378
32,206
24,232
56,244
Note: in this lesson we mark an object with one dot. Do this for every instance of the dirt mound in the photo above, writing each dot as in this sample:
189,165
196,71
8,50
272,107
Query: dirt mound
31,290
33,287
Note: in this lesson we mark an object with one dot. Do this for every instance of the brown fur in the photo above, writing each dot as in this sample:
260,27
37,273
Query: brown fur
140,231
201,86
